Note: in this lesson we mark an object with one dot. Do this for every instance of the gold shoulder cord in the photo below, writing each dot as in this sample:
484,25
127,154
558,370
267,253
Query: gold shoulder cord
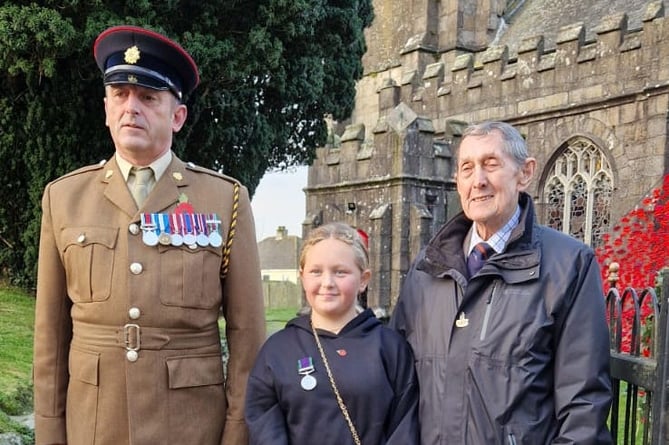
225,264
340,401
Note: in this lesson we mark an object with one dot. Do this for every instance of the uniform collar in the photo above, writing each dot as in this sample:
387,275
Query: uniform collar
159,166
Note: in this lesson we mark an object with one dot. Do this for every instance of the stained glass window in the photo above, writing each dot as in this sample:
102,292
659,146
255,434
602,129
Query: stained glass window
577,192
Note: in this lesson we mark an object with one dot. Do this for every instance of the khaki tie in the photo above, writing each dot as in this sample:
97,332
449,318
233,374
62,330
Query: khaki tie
140,188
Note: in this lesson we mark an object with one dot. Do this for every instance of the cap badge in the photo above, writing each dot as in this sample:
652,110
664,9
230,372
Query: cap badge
131,55
132,79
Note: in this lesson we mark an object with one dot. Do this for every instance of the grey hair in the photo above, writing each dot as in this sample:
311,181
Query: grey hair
513,142
341,232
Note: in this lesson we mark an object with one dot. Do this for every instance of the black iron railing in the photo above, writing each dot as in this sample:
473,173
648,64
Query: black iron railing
639,361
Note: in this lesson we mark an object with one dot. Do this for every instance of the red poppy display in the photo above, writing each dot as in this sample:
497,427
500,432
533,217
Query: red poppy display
640,245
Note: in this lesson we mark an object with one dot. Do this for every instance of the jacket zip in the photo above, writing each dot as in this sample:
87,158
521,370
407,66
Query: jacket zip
486,316
458,293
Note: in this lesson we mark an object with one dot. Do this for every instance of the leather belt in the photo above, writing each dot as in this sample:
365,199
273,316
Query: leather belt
133,337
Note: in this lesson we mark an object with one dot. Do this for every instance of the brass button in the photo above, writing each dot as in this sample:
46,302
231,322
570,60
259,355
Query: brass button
134,313
132,356
133,228
81,238
136,268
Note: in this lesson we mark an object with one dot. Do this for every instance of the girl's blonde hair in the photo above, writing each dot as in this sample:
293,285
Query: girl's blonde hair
341,232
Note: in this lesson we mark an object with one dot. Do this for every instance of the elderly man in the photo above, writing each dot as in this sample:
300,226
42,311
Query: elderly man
506,317
138,256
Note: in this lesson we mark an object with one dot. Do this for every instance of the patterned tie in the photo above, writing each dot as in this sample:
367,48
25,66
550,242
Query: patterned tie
140,188
478,257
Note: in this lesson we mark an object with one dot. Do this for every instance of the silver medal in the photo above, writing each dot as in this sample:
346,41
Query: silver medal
308,382
305,366
177,240
202,240
189,234
189,239
215,239
150,238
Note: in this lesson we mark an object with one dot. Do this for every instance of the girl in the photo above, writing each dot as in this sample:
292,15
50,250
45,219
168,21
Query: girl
336,376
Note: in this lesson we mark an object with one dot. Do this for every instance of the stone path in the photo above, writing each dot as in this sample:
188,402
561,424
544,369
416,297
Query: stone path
10,439
27,420
13,438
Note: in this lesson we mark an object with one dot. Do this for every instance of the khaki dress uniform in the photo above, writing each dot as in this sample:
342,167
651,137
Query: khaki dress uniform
127,346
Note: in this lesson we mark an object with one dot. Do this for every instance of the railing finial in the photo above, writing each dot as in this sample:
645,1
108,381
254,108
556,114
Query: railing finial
612,276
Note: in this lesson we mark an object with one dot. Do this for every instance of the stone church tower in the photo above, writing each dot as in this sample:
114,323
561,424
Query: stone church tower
585,81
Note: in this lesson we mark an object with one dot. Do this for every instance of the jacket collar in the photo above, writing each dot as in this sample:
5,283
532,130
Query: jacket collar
444,251
164,195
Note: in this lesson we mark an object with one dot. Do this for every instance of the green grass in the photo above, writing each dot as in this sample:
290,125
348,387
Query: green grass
16,349
17,310
276,318
640,426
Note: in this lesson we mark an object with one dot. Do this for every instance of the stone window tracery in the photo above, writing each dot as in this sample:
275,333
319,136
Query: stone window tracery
577,192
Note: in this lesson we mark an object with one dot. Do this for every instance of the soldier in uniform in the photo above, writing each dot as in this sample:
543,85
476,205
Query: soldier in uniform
135,268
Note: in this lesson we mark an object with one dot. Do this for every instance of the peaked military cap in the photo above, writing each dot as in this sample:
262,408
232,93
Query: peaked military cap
133,55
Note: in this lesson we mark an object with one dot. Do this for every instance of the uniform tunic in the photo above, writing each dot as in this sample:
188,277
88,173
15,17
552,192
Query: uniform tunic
100,286
374,372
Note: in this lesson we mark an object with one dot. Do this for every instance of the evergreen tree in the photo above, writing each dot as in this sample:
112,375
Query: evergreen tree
270,69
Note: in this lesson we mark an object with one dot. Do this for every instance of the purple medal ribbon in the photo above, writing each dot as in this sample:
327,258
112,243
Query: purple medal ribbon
305,366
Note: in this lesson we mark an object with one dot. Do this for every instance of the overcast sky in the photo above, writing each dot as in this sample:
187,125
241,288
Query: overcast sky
279,201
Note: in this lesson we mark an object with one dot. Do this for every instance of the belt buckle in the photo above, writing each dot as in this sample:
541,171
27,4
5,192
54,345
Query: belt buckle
131,331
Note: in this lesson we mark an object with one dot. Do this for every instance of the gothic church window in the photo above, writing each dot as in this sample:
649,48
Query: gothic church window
577,192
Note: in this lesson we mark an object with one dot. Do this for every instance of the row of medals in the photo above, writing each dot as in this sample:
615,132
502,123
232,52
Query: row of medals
192,229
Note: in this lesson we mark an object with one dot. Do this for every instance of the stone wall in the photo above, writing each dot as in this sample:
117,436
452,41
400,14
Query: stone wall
281,294
390,173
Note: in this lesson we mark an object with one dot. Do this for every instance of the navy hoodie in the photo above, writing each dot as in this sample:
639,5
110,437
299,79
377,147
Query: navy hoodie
373,368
